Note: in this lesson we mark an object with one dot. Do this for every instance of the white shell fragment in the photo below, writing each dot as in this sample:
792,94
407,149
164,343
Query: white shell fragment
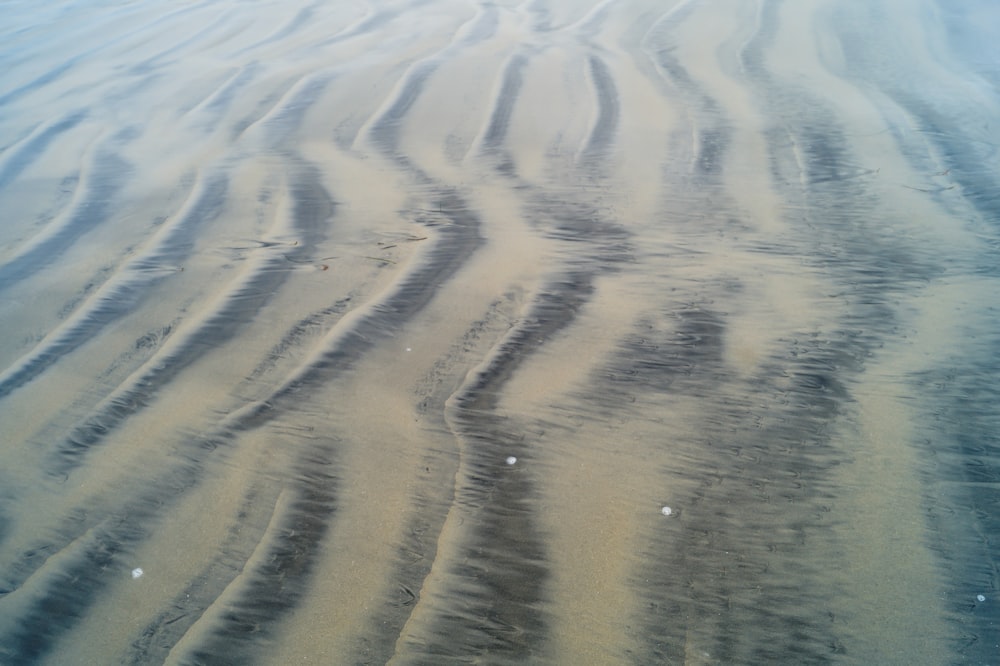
980,597
137,572
511,460
667,511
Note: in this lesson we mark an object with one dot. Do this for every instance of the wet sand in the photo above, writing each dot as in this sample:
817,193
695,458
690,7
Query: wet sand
386,332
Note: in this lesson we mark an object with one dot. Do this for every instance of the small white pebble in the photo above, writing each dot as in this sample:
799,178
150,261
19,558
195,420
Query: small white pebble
511,460
409,349
137,572
667,511
980,597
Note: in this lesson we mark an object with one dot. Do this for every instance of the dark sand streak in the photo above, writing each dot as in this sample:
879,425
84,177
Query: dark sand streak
962,419
313,208
312,212
455,244
56,73
245,534
102,182
121,294
512,80
420,549
57,608
23,155
498,572
280,579
733,588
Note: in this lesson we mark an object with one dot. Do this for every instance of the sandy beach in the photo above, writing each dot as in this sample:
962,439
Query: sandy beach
457,332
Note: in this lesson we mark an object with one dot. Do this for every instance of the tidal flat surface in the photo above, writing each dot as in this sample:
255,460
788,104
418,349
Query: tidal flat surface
542,332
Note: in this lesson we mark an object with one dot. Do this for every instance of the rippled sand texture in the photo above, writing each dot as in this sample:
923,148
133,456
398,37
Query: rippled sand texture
283,285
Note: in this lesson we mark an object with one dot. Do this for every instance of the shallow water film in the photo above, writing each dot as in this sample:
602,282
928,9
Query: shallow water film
530,332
